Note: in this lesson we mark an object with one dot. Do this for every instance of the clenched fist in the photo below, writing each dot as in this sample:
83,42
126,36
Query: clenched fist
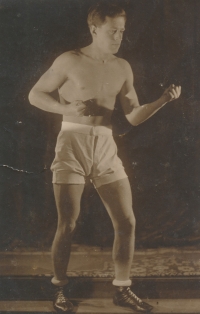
171,93
75,108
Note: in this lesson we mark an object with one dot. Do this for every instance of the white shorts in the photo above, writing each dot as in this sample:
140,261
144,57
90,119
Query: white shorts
86,151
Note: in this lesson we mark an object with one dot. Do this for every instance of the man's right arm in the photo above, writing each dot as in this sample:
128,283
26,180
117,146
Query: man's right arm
135,113
40,96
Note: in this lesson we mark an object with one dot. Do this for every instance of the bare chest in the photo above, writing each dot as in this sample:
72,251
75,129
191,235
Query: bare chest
96,80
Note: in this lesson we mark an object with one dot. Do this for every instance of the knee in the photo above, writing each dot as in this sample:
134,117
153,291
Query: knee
130,223
66,228
126,225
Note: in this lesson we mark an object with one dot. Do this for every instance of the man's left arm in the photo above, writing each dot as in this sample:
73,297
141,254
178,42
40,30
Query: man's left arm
135,113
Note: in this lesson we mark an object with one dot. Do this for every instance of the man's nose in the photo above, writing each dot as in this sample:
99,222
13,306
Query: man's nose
118,35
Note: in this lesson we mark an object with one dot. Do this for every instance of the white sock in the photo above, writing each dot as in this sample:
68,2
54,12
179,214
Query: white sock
59,283
122,283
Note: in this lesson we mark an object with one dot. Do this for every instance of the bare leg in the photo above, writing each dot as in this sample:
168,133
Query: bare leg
117,198
67,197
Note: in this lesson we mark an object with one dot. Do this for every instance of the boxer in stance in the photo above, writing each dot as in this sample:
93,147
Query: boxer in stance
88,81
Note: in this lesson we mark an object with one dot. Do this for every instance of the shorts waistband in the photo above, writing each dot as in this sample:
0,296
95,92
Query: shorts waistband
86,129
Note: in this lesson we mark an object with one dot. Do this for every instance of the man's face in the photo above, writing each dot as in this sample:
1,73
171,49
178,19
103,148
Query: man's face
109,35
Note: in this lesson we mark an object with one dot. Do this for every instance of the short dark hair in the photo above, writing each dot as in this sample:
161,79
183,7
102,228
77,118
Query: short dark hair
98,12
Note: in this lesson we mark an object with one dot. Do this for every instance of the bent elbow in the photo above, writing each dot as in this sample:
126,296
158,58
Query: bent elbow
31,97
135,123
132,120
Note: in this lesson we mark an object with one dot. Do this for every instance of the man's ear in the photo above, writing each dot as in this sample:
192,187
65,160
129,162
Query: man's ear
93,30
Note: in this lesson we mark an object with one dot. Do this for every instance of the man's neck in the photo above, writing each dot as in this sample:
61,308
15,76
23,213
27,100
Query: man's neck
93,52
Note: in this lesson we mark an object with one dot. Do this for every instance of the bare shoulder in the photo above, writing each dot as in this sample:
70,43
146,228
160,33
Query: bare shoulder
66,60
125,65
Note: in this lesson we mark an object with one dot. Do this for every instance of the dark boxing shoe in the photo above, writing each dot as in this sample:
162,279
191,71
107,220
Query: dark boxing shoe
61,302
125,297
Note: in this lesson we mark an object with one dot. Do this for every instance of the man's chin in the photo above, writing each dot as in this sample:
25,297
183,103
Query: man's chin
115,48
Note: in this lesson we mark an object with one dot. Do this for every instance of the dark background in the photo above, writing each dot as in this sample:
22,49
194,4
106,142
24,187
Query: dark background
161,156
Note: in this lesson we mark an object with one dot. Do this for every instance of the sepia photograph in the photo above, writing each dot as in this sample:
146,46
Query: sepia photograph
99,158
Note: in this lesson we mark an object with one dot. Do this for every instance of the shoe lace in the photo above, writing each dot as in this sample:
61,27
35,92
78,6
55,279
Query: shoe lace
130,296
61,296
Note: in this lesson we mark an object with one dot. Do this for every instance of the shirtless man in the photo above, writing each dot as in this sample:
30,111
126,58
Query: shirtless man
88,81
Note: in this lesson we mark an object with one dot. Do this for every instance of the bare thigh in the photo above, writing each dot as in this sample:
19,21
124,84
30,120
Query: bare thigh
68,199
117,198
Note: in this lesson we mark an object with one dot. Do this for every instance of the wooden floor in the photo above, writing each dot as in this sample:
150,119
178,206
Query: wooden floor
169,277
100,306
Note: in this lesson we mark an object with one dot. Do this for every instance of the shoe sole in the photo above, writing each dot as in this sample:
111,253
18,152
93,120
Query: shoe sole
58,310
131,307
